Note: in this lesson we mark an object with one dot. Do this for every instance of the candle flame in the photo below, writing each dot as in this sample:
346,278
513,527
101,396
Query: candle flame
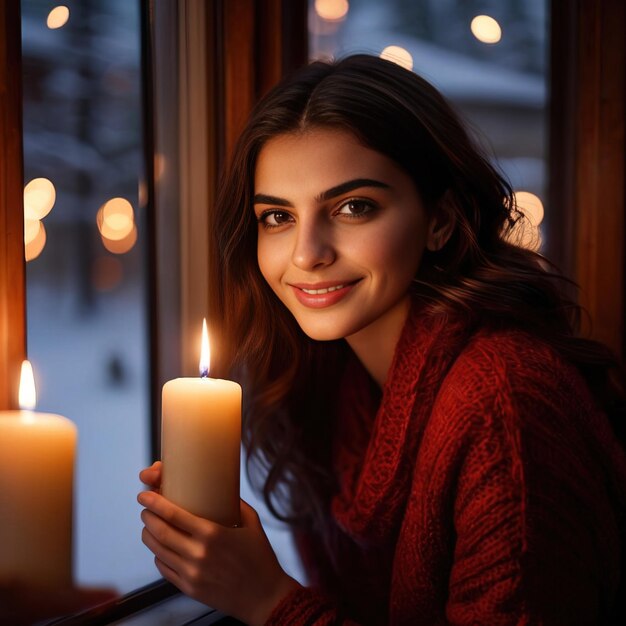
205,352
27,394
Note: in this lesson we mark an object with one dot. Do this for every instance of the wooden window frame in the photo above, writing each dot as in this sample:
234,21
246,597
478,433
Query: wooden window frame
587,164
12,270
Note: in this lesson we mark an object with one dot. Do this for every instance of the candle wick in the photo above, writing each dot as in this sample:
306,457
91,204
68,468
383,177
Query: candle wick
204,372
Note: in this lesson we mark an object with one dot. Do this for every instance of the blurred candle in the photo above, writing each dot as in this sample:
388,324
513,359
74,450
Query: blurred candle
201,435
37,453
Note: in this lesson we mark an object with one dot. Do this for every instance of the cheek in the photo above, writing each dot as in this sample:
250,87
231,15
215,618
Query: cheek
262,261
395,251
268,258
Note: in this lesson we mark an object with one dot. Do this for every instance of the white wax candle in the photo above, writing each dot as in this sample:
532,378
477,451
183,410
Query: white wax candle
37,453
201,435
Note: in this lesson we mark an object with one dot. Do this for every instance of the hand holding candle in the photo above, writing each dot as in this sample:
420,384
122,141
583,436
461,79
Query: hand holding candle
201,435
231,569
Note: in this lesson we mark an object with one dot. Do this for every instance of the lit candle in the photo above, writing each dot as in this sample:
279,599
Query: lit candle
201,434
37,453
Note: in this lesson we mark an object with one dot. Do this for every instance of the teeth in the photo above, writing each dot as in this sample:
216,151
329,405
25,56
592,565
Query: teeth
316,292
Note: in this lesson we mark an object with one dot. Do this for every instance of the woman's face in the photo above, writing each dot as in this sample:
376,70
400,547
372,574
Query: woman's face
341,232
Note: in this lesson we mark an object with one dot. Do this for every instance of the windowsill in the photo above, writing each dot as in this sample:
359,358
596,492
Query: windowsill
157,604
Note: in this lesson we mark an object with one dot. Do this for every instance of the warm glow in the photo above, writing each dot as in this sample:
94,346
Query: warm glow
530,205
525,235
118,222
33,249
39,198
116,219
117,207
121,246
31,230
398,55
27,394
58,17
332,10
205,353
486,29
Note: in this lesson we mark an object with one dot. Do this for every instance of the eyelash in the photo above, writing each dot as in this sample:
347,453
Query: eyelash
370,206
262,218
357,201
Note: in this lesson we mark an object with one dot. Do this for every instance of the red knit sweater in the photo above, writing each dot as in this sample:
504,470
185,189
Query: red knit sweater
484,488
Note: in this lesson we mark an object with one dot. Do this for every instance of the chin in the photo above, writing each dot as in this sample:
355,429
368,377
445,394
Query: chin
319,334
318,329
328,329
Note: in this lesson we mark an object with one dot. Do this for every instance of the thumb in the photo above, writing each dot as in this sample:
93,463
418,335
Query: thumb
151,476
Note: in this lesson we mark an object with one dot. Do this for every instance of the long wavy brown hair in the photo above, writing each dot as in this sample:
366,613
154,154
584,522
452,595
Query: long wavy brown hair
290,380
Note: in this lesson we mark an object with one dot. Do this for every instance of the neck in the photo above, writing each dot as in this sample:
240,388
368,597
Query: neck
375,345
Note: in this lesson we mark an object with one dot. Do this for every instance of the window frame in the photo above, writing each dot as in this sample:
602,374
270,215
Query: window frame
12,265
587,159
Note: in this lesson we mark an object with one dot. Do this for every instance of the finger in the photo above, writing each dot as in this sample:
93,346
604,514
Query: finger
170,575
167,535
172,513
151,475
157,465
150,480
161,552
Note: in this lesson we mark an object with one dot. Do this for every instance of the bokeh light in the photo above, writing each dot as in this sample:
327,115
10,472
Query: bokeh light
332,10
39,198
33,249
121,246
31,230
530,205
398,55
523,233
115,219
486,29
58,17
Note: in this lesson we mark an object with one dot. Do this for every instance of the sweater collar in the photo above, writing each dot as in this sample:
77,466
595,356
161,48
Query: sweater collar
377,443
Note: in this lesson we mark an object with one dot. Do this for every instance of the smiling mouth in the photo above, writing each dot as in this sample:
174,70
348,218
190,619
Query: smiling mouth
322,295
317,292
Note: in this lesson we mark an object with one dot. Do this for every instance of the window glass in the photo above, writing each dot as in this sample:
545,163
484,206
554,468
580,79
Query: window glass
87,313
488,57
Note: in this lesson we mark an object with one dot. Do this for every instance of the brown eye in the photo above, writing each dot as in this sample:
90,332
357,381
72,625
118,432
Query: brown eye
355,208
272,219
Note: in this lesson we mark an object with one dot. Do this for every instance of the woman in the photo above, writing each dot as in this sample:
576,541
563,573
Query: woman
417,400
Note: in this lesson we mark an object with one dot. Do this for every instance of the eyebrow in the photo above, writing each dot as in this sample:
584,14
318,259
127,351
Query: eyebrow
350,185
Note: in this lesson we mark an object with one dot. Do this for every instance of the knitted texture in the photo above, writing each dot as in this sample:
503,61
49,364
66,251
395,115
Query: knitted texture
483,488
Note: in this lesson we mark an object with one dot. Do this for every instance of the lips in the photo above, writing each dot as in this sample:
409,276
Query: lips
318,292
321,295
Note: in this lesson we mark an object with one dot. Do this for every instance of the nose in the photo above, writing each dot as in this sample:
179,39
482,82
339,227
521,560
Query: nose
313,247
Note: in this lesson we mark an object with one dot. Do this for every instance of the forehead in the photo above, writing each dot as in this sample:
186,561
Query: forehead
318,158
